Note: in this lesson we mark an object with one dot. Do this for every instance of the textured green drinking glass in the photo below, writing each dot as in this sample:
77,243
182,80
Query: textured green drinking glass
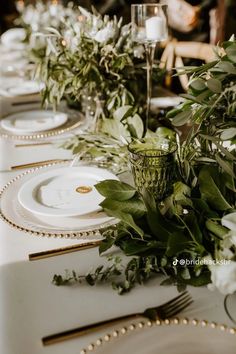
153,165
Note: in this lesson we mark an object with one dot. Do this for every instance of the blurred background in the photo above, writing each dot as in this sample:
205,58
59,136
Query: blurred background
207,21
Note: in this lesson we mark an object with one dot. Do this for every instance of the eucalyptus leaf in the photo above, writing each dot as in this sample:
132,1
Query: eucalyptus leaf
137,125
198,84
214,85
106,244
203,208
157,222
134,207
227,67
228,134
123,112
210,192
127,219
135,248
182,118
115,129
177,243
182,193
231,52
225,165
193,225
115,190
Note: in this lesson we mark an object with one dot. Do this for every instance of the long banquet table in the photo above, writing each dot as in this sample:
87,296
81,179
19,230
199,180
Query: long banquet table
32,307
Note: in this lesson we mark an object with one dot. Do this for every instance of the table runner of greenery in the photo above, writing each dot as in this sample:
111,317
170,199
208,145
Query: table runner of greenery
197,222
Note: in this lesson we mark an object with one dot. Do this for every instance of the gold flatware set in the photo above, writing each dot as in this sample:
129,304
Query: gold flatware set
167,310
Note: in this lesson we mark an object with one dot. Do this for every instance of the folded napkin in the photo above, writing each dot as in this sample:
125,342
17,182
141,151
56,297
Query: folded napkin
56,198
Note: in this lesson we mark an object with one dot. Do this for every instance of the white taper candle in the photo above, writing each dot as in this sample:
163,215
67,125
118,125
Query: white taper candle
155,28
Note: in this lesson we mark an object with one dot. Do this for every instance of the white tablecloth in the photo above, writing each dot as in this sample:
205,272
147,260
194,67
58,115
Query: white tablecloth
31,307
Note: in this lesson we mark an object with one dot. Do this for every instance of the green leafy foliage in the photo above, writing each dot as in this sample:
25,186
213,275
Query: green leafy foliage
96,58
193,222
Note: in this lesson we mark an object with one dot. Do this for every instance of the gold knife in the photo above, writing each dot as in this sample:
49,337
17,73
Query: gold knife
63,250
32,144
38,163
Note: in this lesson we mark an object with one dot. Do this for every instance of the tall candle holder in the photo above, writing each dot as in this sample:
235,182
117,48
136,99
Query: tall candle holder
149,26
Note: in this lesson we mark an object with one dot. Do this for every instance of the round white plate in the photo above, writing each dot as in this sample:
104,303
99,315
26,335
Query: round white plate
167,339
11,211
75,121
58,193
25,88
13,38
165,102
33,121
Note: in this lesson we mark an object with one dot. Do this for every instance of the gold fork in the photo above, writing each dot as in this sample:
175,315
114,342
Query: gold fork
167,310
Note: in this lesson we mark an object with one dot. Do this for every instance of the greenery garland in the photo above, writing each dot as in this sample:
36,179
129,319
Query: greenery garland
197,222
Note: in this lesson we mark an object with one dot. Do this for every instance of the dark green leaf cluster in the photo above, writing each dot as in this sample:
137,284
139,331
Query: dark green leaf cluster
186,225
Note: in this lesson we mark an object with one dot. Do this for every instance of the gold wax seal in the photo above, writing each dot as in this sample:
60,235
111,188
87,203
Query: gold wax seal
83,189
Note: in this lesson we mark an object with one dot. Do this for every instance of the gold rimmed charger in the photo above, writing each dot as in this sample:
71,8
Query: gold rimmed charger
170,336
74,121
12,212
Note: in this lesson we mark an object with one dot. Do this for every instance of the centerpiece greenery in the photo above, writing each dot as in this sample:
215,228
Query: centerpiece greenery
190,236
96,57
35,18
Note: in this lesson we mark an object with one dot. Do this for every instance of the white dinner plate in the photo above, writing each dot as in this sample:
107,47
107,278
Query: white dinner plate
13,38
167,339
33,121
25,88
165,102
64,192
84,227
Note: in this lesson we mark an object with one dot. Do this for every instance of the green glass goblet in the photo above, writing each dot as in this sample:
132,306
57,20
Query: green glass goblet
153,165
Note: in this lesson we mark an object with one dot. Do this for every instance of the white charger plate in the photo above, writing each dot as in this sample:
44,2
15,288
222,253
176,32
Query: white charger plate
75,121
13,38
58,193
171,337
12,212
33,121
26,87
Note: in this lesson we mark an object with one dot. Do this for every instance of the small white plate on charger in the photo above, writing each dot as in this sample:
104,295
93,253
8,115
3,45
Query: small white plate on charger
33,121
64,192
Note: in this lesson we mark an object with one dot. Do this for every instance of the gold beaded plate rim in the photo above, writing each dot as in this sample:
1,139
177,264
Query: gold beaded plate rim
145,324
93,232
69,126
